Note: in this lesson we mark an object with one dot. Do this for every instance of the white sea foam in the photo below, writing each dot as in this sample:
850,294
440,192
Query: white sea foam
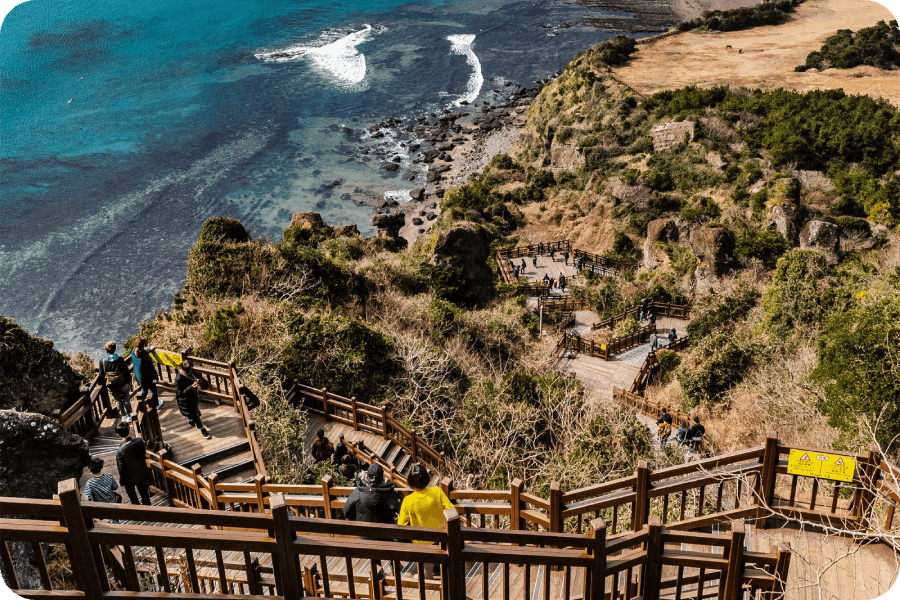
401,196
462,44
339,59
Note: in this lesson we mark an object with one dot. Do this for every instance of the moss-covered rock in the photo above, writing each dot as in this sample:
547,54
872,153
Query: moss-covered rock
33,375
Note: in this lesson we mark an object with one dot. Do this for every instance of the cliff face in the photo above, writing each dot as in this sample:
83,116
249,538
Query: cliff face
33,376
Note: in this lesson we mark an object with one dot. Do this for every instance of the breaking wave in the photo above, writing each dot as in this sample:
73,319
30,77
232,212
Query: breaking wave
462,45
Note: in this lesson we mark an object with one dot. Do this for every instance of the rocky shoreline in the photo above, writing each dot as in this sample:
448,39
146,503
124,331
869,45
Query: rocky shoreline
452,146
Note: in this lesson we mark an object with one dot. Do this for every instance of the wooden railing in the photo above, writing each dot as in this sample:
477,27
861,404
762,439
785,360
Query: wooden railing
650,366
533,289
610,348
595,263
563,303
660,309
288,556
366,417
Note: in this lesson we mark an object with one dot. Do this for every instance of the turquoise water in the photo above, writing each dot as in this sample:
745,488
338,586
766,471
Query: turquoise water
125,125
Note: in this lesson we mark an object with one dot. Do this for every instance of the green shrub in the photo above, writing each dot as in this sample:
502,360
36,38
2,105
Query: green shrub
225,320
659,180
627,326
758,201
344,355
859,368
622,244
721,312
725,362
764,13
794,298
765,244
874,46
669,360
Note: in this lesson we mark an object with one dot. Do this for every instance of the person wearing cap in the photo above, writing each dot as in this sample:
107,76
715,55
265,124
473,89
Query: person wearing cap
424,507
322,448
114,375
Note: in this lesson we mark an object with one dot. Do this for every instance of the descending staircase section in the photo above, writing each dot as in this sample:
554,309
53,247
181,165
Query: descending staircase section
232,463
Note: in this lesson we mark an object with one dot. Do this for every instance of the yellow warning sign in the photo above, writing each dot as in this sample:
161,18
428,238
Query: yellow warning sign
822,465
166,358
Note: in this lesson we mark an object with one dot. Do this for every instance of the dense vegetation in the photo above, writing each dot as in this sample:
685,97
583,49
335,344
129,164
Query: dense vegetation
764,13
877,46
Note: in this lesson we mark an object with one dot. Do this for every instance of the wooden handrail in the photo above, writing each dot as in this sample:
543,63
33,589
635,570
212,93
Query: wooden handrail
285,537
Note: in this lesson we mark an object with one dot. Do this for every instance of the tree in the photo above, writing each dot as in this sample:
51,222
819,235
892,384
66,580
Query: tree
795,296
859,365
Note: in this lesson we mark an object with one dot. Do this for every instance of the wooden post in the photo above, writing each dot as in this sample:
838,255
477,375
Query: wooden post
641,507
355,417
81,556
767,479
213,493
326,496
457,568
325,402
447,486
289,585
415,450
167,481
258,481
555,507
652,569
384,419
735,573
515,506
869,480
598,569
235,394
780,573
197,471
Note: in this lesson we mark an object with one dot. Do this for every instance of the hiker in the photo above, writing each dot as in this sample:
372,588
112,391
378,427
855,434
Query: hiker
100,487
540,247
534,261
114,374
516,271
523,265
424,507
654,342
552,282
374,501
552,252
695,434
652,318
348,468
340,451
546,279
566,256
664,430
644,304
322,449
664,417
562,282
672,336
187,397
144,371
134,474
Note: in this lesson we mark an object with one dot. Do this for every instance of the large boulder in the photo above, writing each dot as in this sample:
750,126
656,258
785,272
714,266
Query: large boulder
823,236
662,230
714,246
34,376
787,217
666,135
37,455
462,252
308,220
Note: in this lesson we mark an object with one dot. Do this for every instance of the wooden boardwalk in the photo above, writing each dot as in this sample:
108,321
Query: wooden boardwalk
552,267
226,451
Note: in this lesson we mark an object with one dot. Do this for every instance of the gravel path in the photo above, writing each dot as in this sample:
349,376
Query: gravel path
476,156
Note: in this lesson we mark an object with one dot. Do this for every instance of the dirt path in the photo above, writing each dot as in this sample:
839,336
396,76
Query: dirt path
764,57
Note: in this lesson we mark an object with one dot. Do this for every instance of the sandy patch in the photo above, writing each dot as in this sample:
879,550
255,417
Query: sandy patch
764,57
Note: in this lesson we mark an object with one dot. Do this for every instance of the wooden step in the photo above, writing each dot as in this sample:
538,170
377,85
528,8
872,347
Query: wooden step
216,456
237,469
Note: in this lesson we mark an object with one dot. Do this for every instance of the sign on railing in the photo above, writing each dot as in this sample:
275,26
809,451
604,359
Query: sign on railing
822,465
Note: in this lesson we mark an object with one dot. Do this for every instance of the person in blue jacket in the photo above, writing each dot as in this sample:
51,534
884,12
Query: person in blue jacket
144,371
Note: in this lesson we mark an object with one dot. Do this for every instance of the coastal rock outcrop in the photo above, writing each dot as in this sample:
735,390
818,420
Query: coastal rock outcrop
34,376
714,246
666,135
463,253
662,230
823,236
787,217
37,455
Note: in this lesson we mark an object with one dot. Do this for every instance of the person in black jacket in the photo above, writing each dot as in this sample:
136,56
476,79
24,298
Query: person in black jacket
340,451
374,500
144,371
188,397
134,474
694,431
115,376
664,417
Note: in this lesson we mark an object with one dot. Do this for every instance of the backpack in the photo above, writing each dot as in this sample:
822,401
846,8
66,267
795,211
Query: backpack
116,379
664,430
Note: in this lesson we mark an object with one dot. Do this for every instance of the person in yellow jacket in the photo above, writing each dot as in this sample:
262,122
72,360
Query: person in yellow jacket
424,507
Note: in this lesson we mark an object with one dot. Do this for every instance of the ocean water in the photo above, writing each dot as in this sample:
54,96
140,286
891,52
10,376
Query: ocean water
125,124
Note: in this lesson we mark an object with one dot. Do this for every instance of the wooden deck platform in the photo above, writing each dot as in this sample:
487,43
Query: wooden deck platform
226,450
552,267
